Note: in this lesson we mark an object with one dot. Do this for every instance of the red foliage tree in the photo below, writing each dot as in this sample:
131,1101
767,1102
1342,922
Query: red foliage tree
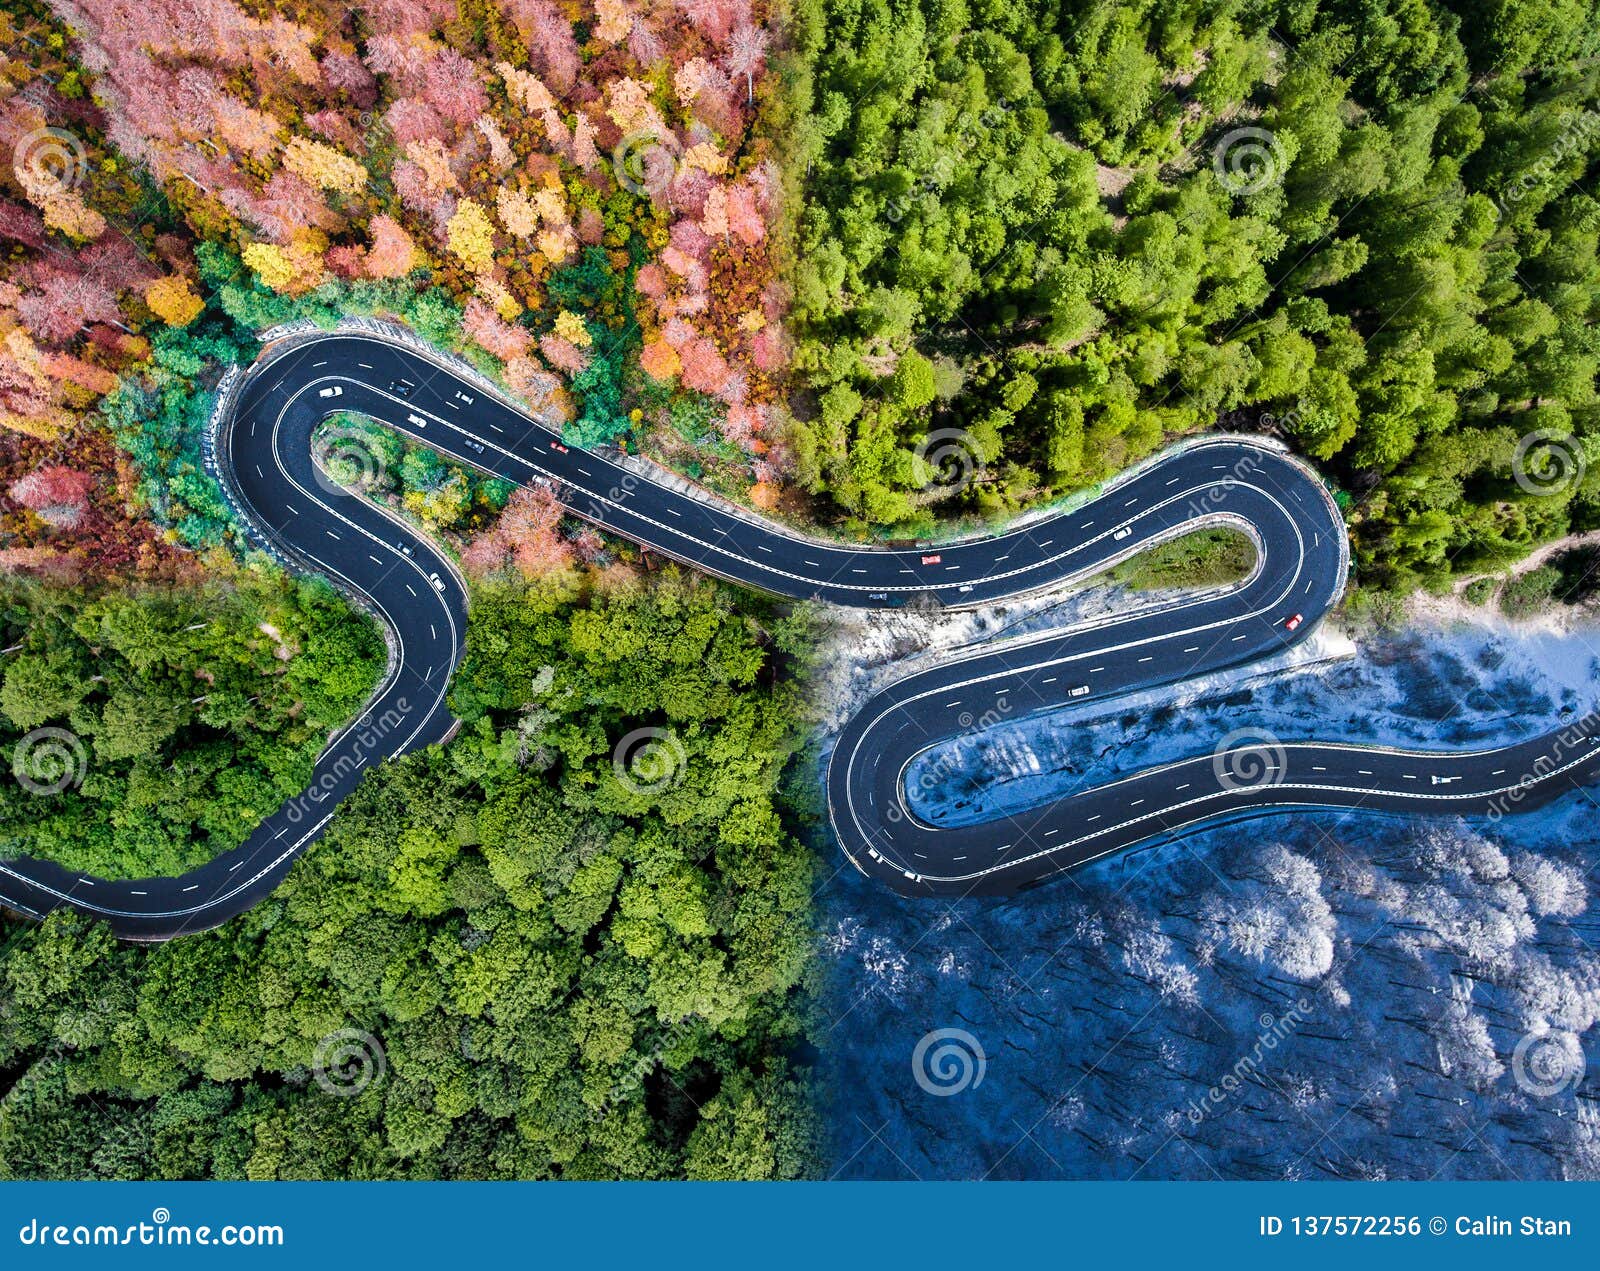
551,45
343,72
63,304
450,85
704,368
500,338
21,225
56,495
747,56
563,354
412,119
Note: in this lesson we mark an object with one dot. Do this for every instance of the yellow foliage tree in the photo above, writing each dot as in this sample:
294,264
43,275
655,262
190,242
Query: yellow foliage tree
555,245
471,236
173,300
707,157
47,421
615,20
68,213
502,301
569,326
659,360
289,270
430,156
517,212
525,89
323,166
271,264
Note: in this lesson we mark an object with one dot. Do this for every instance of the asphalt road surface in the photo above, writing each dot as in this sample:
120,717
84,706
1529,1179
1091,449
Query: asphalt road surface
264,453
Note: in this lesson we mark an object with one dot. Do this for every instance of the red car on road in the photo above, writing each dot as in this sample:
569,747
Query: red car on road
1294,622
932,560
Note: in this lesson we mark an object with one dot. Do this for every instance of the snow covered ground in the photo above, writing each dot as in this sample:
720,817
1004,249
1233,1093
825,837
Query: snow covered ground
1440,685
1328,995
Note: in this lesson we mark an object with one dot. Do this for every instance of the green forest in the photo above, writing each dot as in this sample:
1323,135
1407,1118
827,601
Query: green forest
534,960
1076,230
150,729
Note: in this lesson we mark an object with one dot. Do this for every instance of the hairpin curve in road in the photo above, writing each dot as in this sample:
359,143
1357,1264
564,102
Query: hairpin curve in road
264,456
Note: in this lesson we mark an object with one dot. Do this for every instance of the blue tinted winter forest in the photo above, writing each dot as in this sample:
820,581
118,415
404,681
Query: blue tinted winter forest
1303,996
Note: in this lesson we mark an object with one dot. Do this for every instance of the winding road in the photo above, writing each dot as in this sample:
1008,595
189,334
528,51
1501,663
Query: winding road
264,454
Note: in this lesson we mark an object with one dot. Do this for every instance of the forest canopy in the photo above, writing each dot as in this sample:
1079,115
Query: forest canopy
1075,230
149,730
530,955
988,252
